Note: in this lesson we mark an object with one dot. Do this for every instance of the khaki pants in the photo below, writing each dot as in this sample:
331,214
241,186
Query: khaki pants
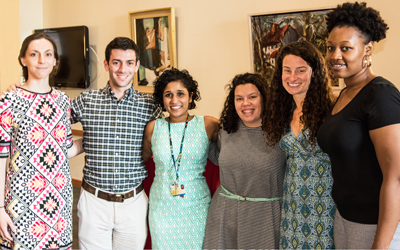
112,225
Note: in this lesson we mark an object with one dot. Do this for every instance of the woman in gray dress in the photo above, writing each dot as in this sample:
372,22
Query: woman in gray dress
245,211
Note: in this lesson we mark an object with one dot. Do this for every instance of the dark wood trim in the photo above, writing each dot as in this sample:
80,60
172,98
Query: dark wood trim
77,132
76,183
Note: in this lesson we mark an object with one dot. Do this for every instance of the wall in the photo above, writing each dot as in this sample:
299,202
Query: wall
9,43
212,36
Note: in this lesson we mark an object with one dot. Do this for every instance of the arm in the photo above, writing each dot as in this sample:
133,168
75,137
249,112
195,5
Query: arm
386,142
212,127
76,148
148,133
5,220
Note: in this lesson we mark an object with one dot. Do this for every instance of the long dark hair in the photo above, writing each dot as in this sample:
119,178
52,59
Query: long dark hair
280,104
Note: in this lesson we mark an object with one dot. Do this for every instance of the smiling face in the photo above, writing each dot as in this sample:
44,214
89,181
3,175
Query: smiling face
249,104
176,99
39,59
296,75
345,52
121,67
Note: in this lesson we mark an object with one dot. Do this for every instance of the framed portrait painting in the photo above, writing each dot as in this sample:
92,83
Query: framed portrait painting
270,31
154,33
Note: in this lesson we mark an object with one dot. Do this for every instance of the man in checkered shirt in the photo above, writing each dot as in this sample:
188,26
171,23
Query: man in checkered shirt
112,208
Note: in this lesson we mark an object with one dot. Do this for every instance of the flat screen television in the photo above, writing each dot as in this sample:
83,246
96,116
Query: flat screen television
73,49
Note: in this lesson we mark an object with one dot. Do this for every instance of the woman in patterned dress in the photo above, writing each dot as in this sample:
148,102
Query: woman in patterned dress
245,211
299,101
179,196
36,193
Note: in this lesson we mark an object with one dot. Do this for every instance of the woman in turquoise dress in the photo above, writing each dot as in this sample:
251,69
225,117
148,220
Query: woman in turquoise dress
298,103
179,196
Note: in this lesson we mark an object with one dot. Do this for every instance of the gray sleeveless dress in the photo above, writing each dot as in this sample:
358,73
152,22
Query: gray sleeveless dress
248,168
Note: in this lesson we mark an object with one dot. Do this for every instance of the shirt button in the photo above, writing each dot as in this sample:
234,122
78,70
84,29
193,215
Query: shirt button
116,154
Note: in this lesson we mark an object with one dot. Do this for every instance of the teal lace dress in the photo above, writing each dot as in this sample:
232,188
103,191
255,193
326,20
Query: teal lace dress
308,208
175,222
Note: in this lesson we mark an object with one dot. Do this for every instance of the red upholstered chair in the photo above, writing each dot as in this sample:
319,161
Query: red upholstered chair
211,174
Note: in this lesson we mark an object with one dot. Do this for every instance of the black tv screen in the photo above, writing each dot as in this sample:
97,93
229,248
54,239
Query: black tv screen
73,49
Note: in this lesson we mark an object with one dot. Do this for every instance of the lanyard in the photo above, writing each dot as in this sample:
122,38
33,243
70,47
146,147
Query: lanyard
180,151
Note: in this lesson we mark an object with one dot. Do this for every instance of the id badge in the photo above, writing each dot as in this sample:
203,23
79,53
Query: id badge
178,190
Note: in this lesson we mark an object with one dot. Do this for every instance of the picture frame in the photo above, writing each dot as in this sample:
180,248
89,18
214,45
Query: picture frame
270,31
154,33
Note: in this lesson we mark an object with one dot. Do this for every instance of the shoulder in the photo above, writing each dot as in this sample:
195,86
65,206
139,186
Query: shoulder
90,96
61,94
380,90
211,121
10,96
144,97
380,85
148,131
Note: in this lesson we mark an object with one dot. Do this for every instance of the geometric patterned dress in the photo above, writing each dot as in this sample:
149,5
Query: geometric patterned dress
308,208
35,131
175,222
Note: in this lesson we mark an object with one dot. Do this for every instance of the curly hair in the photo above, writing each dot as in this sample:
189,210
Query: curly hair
280,104
24,48
173,75
229,117
367,20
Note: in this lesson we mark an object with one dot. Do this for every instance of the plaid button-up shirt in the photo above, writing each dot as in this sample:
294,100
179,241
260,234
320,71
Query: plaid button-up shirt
112,136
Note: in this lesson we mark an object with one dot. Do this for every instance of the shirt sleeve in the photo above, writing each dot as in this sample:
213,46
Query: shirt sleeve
383,106
6,120
77,105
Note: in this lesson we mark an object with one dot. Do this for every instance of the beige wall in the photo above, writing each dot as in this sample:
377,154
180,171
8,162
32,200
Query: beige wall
9,42
212,36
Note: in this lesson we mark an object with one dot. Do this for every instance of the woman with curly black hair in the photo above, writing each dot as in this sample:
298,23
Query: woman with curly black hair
300,98
179,196
245,210
362,133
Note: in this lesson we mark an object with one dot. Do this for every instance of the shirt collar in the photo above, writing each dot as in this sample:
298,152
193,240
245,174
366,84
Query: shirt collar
130,93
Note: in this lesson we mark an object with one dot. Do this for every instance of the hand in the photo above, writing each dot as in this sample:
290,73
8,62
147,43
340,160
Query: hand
12,87
5,222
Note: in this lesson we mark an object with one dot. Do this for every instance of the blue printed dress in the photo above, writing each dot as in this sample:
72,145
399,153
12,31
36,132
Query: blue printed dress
308,208
175,222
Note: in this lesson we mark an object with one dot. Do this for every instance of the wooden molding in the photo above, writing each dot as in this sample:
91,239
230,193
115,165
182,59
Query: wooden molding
76,183
77,132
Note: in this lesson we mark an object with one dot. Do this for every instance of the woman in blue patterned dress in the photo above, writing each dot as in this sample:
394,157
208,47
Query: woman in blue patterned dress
179,196
299,101
36,193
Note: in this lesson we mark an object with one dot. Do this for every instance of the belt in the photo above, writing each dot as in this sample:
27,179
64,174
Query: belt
109,196
243,198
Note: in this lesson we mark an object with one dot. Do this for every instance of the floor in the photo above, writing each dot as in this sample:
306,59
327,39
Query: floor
75,244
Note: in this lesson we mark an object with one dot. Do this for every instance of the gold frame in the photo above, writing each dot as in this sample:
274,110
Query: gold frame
154,13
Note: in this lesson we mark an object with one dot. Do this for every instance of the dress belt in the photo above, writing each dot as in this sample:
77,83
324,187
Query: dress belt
230,195
111,197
